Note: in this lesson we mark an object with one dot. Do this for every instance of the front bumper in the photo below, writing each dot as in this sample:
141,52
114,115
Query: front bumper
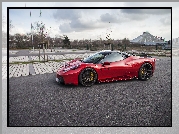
69,77
60,79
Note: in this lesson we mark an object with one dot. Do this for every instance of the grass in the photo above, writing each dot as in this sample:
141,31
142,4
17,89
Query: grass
26,62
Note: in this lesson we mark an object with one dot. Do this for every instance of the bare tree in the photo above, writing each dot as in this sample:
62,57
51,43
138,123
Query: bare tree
10,25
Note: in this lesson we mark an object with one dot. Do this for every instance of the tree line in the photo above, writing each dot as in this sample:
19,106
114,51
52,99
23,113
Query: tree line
40,34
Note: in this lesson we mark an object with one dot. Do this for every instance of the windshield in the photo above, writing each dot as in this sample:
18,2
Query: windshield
95,58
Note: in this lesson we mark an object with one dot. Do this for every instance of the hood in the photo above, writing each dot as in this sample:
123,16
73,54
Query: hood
72,63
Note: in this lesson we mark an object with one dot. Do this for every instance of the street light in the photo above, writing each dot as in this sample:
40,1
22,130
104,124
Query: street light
53,45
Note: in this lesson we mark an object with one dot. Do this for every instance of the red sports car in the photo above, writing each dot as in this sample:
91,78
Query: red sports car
106,66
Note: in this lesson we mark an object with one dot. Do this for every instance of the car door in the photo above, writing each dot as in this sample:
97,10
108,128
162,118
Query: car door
116,67
120,69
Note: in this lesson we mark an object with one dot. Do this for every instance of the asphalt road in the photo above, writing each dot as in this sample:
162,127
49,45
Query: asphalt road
39,101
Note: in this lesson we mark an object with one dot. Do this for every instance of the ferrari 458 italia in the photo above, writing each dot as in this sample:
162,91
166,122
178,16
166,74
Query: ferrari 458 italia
106,66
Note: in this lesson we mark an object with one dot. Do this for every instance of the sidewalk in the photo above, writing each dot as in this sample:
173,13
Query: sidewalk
17,70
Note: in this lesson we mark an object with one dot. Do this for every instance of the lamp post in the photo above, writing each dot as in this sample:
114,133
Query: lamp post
27,41
32,42
53,45
39,51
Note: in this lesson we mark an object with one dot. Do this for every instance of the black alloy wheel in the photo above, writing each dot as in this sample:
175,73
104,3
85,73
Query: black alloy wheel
87,77
145,72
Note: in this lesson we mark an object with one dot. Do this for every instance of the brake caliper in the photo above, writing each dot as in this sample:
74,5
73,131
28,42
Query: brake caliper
142,71
92,75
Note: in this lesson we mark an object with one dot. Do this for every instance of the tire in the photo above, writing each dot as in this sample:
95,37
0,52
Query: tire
145,72
87,77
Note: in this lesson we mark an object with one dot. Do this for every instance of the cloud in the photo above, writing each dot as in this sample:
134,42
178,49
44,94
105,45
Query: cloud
118,16
75,25
73,22
80,20
80,26
67,14
135,16
147,11
65,28
77,20
108,18
18,30
166,20
143,14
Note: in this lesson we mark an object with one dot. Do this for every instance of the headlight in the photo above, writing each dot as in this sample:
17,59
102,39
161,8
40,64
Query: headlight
71,68
74,67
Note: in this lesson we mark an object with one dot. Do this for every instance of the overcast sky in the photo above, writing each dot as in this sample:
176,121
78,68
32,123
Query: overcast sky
96,23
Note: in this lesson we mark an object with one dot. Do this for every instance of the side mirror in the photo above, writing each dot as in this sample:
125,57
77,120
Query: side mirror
106,63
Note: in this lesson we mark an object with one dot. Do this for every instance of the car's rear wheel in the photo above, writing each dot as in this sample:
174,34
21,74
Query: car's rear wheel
87,77
145,71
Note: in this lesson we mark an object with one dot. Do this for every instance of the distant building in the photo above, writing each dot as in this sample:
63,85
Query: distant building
168,45
147,39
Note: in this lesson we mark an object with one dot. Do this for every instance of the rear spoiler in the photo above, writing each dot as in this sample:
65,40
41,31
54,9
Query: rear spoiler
141,55
128,54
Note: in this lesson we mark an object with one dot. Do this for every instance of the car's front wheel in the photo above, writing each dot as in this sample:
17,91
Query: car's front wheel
145,72
87,77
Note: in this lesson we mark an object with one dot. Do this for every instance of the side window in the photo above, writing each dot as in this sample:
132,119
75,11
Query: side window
108,58
113,57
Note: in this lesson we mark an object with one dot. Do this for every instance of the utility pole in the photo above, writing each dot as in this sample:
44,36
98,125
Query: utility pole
100,41
43,42
47,54
32,42
51,47
32,33
39,51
